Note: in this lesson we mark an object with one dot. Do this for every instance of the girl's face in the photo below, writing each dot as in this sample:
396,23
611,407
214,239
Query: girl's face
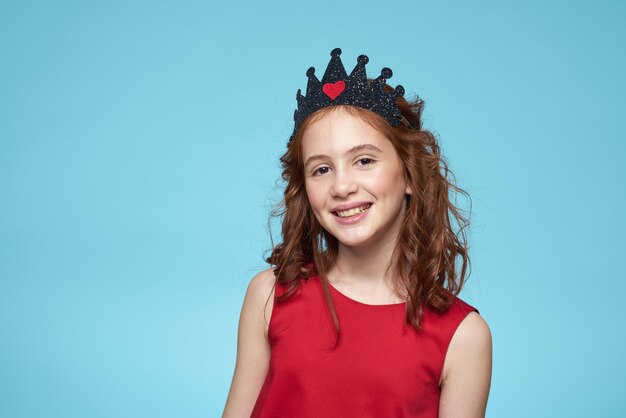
354,180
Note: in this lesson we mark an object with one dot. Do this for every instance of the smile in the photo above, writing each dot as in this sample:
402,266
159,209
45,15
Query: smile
352,216
352,212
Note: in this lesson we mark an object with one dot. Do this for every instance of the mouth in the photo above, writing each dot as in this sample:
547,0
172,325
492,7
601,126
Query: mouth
352,212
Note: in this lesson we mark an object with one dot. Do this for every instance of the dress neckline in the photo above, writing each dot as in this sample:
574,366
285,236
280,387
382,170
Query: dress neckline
354,301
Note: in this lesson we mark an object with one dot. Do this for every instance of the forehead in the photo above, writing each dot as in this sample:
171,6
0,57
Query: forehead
337,130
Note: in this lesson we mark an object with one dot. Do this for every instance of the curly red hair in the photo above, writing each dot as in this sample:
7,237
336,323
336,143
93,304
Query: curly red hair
424,261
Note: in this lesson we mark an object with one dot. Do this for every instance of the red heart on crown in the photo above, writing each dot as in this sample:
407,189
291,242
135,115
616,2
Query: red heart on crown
333,90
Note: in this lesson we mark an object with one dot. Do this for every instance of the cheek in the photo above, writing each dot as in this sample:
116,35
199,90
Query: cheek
315,197
387,183
381,184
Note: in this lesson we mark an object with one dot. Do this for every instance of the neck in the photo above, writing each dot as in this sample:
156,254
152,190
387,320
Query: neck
366,266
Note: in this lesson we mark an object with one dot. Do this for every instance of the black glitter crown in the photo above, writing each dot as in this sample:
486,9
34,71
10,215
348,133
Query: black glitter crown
337,88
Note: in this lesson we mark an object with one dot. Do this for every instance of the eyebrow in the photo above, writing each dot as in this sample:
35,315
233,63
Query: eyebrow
357,148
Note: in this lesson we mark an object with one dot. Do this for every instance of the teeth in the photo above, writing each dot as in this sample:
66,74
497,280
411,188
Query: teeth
353,211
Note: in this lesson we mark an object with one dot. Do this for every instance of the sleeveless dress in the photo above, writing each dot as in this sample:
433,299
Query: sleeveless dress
381,367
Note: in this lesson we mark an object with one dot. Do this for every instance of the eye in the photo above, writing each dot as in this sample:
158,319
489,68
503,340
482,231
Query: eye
318,170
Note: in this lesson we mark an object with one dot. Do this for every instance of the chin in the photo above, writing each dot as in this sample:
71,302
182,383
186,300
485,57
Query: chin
352,240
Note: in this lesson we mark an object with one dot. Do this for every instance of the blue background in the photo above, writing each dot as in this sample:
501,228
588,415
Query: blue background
139,146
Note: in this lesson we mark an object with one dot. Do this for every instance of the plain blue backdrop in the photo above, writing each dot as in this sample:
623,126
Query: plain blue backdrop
139,146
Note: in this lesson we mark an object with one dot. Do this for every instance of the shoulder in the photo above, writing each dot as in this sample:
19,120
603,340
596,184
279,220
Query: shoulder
253,349
262,283
466,378
259,296
472,331
470,348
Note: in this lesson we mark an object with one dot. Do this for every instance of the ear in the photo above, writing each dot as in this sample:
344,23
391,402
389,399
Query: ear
408,189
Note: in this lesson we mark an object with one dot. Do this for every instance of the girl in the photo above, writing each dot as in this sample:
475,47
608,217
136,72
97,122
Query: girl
365,319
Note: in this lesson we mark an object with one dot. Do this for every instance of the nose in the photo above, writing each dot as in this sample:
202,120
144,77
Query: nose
343,184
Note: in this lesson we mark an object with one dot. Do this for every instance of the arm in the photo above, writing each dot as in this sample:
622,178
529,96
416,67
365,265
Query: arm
253,350
467,370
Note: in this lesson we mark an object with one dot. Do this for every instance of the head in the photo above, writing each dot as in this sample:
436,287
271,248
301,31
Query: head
407,186
349,162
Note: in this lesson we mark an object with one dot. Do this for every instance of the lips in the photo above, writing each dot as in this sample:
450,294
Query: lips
348,206
352,211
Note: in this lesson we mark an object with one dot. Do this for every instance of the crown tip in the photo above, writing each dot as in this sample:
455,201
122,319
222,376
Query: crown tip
335,52
386,72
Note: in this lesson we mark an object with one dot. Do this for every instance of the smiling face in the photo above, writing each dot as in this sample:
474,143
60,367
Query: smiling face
349,164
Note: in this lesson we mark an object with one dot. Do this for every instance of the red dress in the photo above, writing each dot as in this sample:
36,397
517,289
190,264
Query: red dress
382,367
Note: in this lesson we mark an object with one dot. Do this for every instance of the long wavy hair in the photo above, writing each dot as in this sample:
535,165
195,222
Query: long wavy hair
424,261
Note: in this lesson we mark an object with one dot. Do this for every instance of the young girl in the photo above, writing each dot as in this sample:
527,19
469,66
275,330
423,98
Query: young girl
365,320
